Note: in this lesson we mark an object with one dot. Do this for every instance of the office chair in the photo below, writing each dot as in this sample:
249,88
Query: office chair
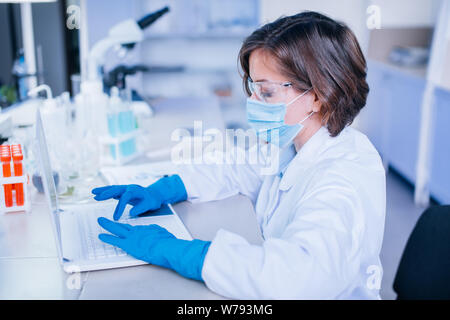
424,270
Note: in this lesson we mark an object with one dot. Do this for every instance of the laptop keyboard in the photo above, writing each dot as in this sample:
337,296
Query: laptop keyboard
95,248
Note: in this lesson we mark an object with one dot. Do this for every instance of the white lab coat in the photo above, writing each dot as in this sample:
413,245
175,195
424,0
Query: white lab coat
322,221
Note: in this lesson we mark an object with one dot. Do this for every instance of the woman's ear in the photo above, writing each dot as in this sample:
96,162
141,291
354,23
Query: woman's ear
317,105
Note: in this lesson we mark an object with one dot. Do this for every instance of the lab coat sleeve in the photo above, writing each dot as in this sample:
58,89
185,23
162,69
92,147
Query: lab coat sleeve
315,257
219,176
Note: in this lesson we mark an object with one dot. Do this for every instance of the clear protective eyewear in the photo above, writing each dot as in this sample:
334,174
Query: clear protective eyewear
269,91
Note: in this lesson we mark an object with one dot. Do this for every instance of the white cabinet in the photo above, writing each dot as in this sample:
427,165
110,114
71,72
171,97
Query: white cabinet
440,151
404,103
391,120
373,117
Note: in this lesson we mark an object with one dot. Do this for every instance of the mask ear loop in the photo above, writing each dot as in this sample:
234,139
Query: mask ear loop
298,97
301,95
307,117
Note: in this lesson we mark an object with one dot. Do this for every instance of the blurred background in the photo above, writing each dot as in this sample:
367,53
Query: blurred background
192,50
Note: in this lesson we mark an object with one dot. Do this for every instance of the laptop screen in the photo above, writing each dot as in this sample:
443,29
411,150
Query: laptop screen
46,169
47,178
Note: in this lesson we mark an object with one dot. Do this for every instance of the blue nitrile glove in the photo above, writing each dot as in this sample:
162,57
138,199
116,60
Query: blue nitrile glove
157,246
165,190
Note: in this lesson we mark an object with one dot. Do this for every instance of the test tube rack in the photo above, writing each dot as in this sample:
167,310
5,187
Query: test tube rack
13,183
107,140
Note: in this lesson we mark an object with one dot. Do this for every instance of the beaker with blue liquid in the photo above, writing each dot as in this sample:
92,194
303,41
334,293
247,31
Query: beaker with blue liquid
121,123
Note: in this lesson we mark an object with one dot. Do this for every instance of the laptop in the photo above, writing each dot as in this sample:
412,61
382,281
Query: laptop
76,229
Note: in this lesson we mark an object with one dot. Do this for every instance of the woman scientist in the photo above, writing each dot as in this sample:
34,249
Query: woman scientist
321,215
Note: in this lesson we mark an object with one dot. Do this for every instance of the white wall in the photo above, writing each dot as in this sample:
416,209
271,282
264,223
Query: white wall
103,14
393,13
217,55
351,12
211,60
407,13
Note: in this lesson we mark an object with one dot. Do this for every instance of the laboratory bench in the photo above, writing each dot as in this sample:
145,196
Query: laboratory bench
30,268
29,264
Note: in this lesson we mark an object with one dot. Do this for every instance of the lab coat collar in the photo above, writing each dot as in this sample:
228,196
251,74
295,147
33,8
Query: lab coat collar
305,157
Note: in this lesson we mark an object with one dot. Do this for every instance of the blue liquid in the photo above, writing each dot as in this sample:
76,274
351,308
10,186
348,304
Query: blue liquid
118,124
126,121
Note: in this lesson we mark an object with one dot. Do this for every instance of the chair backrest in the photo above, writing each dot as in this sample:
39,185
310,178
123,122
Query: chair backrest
424,270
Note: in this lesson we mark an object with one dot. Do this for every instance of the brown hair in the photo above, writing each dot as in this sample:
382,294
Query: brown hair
315,51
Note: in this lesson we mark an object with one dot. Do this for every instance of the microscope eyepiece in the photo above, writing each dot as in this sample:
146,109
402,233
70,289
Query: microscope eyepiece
152,17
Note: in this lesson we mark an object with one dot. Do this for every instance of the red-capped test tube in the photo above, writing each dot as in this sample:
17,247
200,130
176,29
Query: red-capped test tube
5,157
17,157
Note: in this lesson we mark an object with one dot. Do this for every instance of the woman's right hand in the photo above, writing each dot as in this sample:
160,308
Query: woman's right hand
142,199
169,189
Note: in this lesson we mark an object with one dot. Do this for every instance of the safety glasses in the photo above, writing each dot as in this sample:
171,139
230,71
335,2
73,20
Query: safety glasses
269,91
